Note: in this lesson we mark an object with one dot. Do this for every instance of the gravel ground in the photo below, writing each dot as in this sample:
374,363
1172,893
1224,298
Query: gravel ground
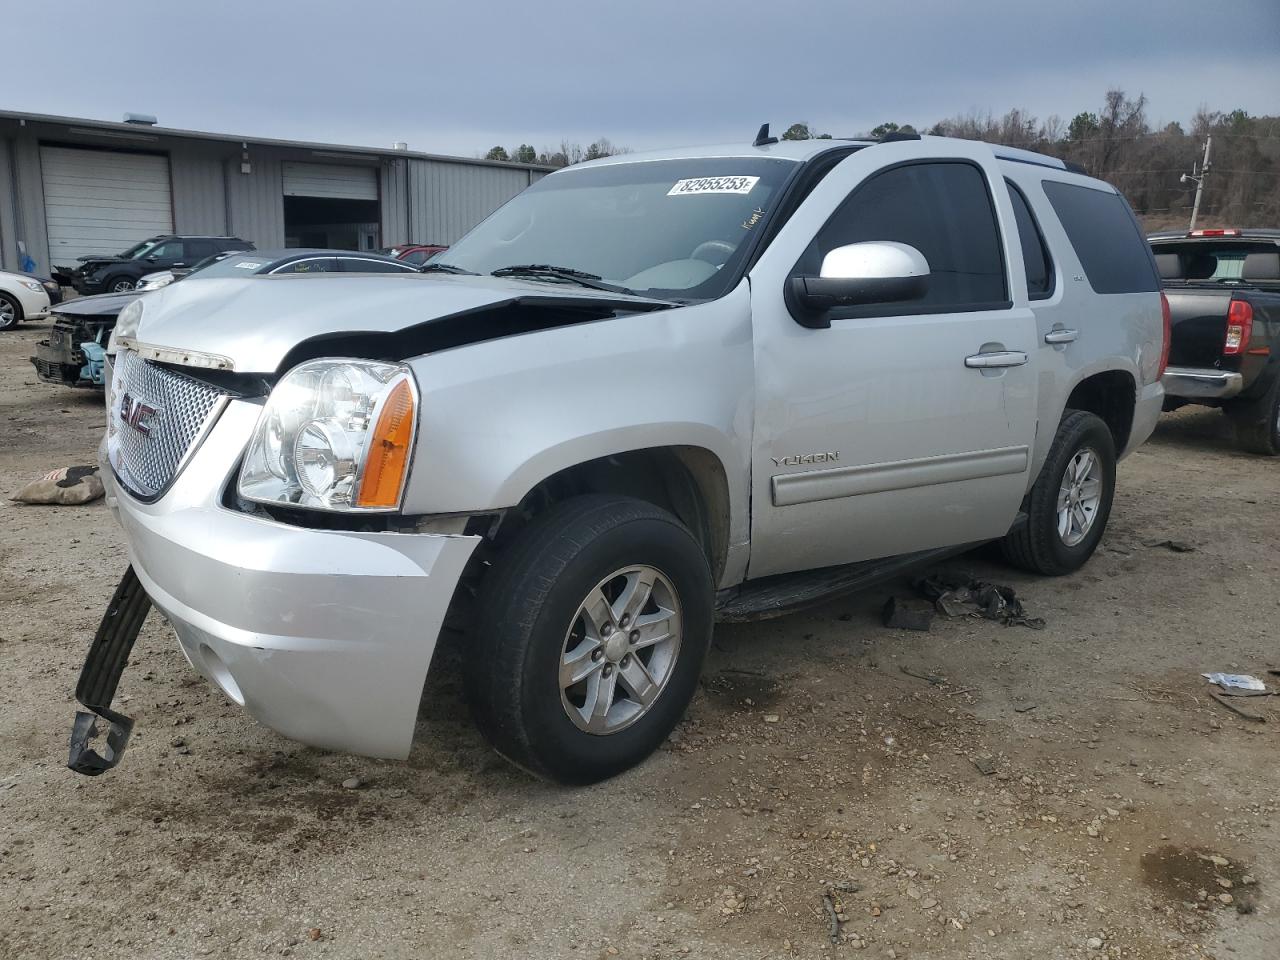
1123,812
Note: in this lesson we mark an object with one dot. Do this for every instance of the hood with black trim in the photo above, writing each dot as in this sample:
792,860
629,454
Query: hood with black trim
256,322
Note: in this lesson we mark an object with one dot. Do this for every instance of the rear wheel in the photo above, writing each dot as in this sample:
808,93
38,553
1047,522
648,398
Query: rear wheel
1257,422
1070,502
593,629
120,284
10,312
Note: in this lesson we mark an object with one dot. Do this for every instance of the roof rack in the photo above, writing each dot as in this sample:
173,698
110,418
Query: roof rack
1030,156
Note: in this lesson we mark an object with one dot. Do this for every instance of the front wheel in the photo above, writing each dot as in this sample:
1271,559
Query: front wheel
1070,501
120,284
594,626
10,312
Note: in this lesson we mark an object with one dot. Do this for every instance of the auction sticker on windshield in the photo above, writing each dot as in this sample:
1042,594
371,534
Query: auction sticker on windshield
713,185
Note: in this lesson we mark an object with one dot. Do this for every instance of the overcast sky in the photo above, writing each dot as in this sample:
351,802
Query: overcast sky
459,77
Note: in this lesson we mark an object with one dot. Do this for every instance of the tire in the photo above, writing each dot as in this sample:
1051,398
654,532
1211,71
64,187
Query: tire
119,284
1257,422
10,312
1039,545
531,620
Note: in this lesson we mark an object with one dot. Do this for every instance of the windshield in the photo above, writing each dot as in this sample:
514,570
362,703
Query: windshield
234,265
667,228
139,250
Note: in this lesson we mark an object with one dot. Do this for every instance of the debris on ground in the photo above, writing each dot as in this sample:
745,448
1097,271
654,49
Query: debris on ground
1237,681
985,765
1238,710
66,487
833,918
903,614
935,680
960,595
1177,546
352,783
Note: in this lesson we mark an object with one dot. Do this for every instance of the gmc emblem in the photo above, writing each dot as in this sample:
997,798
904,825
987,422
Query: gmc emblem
137,414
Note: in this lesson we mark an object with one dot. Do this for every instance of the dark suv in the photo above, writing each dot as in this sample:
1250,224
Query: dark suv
120,273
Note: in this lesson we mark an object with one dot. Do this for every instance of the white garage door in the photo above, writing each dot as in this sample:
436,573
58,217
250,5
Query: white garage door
100,202
330,180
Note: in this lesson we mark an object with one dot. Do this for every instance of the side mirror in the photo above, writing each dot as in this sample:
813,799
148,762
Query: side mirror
152,259
877,271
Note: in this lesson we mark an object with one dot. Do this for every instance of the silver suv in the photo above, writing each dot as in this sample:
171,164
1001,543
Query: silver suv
649,392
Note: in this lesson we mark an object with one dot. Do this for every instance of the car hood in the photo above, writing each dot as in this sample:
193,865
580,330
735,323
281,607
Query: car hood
103,305
254,322
87,262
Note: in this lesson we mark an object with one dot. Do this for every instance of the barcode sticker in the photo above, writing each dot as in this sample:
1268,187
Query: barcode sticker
742,185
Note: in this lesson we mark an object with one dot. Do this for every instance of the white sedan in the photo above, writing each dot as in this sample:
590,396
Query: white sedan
23,297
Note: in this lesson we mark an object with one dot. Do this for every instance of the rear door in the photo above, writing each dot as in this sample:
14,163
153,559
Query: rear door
902,427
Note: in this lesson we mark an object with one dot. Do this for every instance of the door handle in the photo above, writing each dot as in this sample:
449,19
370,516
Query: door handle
997,358
1060,335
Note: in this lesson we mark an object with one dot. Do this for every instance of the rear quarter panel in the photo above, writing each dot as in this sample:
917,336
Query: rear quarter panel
1123,332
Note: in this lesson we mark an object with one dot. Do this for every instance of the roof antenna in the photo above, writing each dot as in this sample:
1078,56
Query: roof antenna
762,138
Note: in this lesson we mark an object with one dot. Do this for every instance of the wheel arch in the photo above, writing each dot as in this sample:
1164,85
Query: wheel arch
1112,396
689,480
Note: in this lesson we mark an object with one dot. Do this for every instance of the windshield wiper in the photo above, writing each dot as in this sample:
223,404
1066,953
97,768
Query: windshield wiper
444,268
580,277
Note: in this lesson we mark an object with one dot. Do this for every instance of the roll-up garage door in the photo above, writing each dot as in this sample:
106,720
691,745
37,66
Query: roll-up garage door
330,180
100,202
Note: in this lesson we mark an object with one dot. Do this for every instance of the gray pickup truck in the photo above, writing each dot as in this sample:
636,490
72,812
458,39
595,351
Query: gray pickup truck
649,392
1223,288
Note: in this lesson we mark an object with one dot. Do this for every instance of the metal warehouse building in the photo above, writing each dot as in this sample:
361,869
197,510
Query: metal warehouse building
71,187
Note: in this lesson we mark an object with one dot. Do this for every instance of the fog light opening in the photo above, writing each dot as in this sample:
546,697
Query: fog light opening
216,669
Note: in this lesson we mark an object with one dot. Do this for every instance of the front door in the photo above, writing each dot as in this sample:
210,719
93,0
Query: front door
903,426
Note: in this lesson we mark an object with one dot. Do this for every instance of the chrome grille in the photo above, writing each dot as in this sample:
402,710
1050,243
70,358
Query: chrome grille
156,418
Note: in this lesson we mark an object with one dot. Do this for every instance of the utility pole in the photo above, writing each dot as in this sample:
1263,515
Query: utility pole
1199,182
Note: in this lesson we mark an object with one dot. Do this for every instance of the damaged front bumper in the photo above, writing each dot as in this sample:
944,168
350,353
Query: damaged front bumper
322,635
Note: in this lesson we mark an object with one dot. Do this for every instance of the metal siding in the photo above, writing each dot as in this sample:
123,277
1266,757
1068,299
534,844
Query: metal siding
199,189
8,215
340,182
395,202
448,199
256,200
98,202
26,158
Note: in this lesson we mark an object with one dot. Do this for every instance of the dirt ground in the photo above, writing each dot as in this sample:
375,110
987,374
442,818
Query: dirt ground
810,764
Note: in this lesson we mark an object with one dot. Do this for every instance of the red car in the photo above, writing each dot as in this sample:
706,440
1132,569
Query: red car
415,253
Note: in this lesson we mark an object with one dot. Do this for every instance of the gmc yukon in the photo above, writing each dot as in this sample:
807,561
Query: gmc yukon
649,392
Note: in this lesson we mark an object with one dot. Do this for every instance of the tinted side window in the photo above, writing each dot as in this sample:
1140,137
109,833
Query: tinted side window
170,250
1106,238
357,265
1035,255
199,249
417,258
944,210
313,265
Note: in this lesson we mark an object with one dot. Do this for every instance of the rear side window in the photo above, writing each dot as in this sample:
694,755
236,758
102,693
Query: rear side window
944,210
1035,254
1105,237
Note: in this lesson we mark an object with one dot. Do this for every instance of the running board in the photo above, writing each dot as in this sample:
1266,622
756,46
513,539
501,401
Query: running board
786,593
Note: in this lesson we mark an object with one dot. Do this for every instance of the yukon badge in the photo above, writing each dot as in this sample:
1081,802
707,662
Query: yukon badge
830,456
137,414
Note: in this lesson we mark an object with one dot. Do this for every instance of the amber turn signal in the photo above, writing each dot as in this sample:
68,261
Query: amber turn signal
388,458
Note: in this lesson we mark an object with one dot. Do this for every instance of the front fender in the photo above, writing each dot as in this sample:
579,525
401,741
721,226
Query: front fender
499,416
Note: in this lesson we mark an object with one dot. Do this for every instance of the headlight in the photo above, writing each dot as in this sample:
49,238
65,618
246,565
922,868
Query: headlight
126,327
334,435
155,283
34,285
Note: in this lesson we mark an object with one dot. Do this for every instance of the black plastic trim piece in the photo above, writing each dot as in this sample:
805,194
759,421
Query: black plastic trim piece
100,676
